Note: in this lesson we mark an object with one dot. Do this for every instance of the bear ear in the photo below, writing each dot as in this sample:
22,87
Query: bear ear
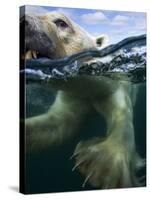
102,41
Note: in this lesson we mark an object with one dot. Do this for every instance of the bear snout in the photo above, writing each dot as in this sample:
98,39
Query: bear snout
36,39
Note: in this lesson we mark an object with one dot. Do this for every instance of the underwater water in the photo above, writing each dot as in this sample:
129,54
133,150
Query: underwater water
51,170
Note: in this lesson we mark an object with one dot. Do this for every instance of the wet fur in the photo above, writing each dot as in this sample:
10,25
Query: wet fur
111,162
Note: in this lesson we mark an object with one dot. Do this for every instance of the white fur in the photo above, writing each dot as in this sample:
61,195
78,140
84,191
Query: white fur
110,162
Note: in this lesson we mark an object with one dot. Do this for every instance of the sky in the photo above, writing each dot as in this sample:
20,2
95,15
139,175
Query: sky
116,24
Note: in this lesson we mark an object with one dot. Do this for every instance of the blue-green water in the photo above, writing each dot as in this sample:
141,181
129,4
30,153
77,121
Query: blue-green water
51,171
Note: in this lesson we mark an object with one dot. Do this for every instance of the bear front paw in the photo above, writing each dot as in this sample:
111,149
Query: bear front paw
105,164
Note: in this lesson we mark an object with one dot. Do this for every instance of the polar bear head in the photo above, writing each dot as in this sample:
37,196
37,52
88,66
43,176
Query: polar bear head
54,35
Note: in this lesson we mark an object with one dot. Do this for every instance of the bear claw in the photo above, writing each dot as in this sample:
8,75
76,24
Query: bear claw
106,164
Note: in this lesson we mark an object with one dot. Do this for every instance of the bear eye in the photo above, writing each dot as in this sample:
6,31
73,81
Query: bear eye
60,23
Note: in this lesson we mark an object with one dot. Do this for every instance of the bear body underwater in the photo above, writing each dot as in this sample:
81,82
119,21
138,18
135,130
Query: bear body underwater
110,162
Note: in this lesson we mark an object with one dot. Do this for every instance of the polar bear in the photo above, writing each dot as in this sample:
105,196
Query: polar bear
109,162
